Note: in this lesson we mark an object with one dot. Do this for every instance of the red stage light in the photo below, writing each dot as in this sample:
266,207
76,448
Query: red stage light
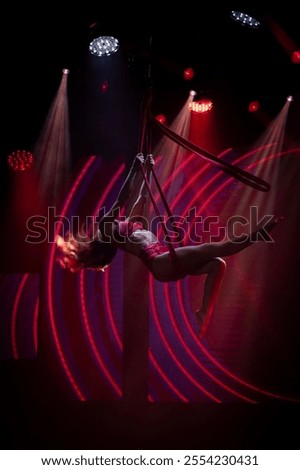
202,106
253,106
104,86
161,118
188,73
20,160
296,57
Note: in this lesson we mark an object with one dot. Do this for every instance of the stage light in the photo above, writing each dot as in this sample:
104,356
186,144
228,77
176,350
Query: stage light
161,118
188,73
65,71
290,98
244,19
191,97
104,46
20,160
253,106
52,147
202,106
296,57
104,86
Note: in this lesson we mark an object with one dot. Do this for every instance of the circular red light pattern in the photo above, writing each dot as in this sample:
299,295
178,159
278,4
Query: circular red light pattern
161,118
253,106
188,73
202,106
296,57
20,160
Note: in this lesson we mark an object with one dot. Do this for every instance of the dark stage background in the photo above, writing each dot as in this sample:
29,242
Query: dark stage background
113,361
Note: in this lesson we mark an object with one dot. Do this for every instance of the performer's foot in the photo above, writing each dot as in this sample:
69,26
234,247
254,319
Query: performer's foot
202,320
271,224
266,229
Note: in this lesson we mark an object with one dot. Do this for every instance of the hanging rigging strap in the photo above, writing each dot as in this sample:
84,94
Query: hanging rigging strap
168,239
145,135
232,170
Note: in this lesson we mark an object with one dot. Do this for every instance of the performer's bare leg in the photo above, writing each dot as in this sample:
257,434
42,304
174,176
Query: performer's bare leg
205,259
215,270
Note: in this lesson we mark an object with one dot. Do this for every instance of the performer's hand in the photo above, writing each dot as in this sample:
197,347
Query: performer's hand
149,162
139,158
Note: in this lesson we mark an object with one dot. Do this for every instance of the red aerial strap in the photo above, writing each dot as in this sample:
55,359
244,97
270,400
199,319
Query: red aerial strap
161,219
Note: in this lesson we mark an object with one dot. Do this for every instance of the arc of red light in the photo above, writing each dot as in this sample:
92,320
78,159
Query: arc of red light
106,287
63,362
50,290
225,370
228,168
15,315
243,157
35,325
166,379
87,326
107,301
203,368
114,328
110,312
186,161
271,157
168,182
166,289
110,309
202,170
100,203
194,178
172,354
225,183
151,356
180,169
201,208
92,341
208,183
221,367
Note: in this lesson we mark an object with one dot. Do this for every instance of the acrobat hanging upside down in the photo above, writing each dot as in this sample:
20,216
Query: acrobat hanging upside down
165,262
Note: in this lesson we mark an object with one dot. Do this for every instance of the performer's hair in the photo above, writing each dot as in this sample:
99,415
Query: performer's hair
80,251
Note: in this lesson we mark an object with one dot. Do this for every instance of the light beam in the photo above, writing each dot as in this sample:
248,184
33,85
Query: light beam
52,149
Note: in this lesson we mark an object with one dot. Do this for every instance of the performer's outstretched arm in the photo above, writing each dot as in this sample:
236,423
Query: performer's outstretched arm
133,179
138,207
